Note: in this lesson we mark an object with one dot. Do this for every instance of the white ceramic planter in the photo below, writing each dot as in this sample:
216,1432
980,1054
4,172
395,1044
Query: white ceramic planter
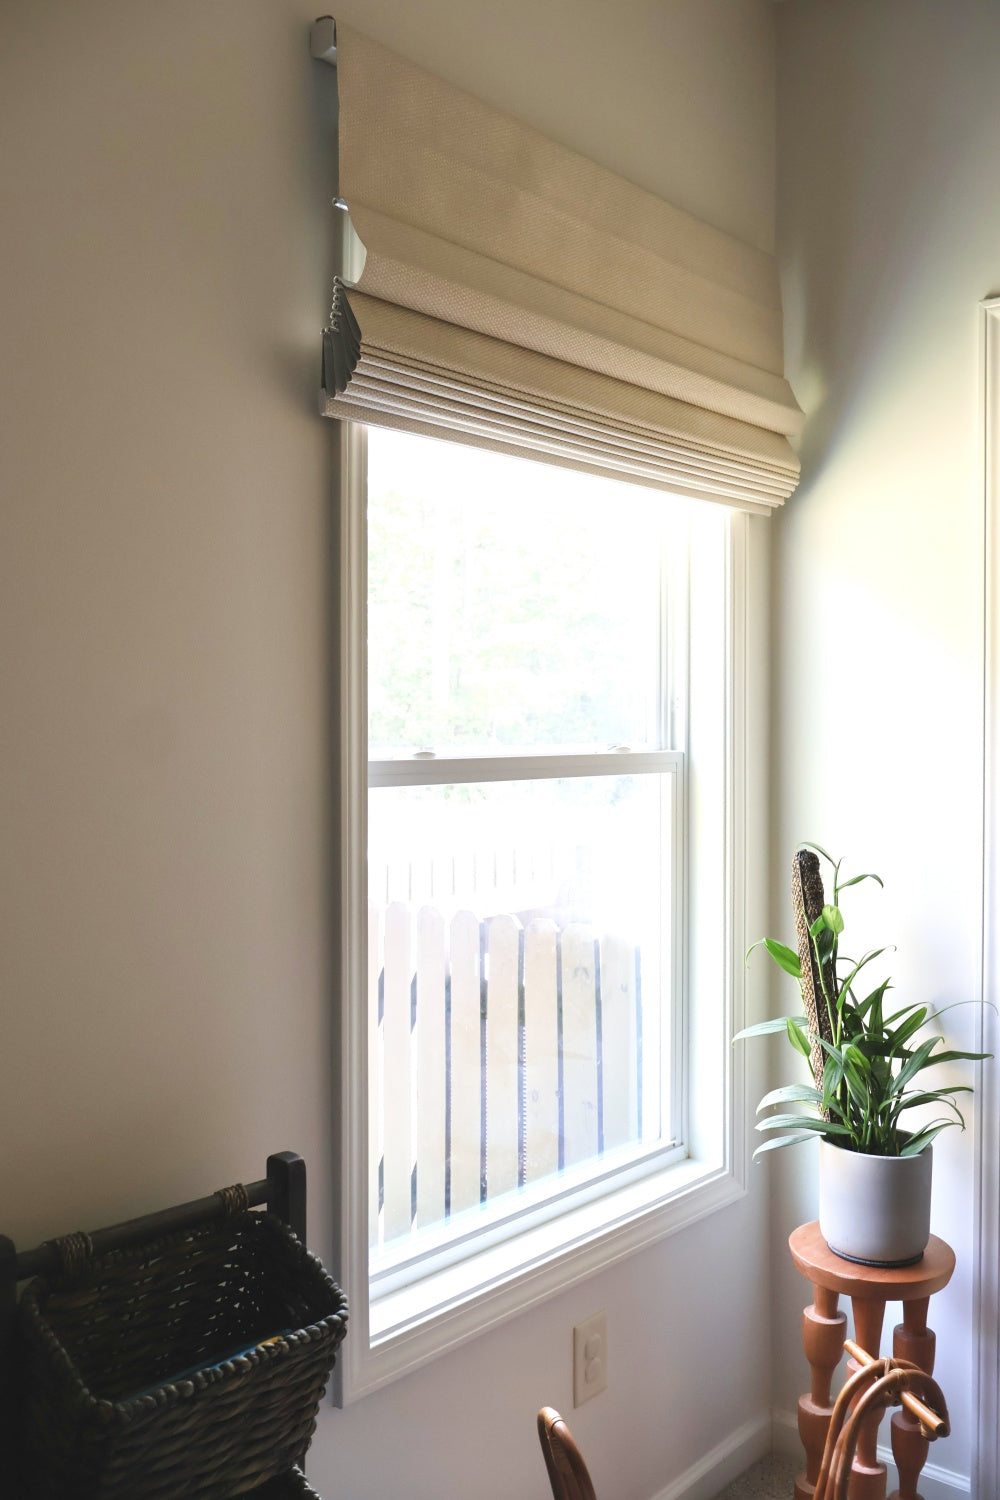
875,1209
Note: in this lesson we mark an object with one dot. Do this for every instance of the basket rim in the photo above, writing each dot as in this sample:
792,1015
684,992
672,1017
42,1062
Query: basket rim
332,1327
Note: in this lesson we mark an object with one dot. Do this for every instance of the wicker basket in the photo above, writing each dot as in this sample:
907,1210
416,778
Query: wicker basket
190,1367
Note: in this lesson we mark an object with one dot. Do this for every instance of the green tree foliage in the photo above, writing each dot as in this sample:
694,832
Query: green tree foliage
504,625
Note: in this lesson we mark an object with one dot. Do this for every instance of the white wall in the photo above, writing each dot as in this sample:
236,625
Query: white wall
164,608
889,233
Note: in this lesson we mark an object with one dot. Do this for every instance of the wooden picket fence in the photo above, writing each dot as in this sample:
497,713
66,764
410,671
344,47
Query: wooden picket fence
504,1053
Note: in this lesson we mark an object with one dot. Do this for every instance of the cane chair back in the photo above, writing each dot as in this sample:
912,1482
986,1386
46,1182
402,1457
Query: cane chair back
568,1474
877,1385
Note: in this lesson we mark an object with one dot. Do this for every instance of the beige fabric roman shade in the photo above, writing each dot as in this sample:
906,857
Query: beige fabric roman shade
518,296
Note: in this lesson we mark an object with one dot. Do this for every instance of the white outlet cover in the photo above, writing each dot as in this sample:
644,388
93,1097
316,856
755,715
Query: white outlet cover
590,1358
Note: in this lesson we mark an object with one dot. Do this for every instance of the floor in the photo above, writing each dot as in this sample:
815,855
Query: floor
771,1479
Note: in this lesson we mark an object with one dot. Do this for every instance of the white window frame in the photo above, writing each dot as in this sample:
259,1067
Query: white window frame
500,1276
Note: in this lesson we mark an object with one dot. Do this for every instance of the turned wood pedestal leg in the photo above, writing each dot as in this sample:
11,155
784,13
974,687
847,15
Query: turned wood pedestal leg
823,1333
911,1340
868,1474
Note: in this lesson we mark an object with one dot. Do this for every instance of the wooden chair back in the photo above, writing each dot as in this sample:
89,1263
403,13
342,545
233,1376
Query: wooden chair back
567,1471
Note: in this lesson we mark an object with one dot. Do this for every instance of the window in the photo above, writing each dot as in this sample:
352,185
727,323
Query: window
562,806
523,821
545,942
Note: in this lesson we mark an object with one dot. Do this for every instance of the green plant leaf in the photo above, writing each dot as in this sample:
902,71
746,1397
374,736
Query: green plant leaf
824,941
875,1048
767,1028
831,1050
848,982
923,1138
952,1056
784,957
805,844
792,1093
955,1005
784,1140
746,956
902,1034
801,1122
855,1068
833,1077
905,1010
834,1066
830,919
854,1057
939,1096
930,1096
797,1036
916,1062
856,879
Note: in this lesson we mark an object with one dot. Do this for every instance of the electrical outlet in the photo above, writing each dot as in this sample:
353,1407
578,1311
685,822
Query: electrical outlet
590,1358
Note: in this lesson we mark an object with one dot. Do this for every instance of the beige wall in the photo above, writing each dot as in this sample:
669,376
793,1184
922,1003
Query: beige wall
889,233
164,609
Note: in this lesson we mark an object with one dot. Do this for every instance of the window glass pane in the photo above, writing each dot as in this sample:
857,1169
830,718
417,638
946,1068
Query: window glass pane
520,949
511,604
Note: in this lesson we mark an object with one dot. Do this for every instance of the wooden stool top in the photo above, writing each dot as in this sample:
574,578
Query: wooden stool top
814,1258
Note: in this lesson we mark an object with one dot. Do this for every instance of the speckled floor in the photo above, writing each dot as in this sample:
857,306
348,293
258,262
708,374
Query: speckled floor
771,1479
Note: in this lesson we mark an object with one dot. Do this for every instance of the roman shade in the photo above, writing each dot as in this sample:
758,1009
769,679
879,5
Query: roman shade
514,295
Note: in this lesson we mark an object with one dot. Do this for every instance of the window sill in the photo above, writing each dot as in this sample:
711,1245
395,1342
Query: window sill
414,1324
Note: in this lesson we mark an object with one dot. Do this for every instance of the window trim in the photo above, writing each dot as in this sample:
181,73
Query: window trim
589,1237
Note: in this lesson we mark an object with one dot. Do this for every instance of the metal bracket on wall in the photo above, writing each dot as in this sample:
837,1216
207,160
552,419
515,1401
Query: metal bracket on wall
323,40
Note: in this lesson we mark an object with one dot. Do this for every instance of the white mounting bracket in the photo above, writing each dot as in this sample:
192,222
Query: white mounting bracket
323,40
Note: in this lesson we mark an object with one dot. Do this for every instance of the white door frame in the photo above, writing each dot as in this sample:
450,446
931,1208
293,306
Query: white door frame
986,1460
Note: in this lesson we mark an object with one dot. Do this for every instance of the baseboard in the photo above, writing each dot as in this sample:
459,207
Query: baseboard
723,1463
785,1434
935,1483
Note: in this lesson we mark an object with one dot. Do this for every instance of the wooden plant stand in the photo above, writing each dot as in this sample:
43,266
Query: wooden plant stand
824,1328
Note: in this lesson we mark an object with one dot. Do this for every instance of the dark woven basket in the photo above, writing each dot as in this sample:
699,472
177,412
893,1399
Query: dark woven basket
190,1367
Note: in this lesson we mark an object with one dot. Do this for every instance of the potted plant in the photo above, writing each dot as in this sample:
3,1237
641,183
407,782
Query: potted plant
867,1068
